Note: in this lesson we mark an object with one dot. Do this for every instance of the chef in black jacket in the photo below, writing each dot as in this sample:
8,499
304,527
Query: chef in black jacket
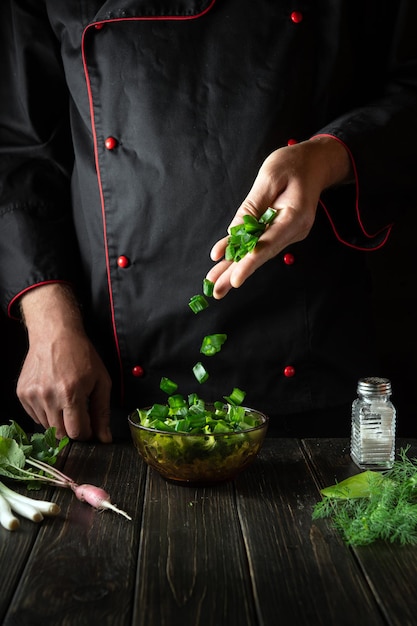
132,134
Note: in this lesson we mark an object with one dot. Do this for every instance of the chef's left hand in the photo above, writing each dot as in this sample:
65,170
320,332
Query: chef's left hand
290,180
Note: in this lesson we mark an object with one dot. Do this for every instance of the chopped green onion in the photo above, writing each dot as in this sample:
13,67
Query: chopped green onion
160,425
197,418
182,425
212,344
177,401
198,406
269,216
192,399
200,372
158,411
208,287
252,225
244,237
221,426
168,385
236,413
236,397
198,303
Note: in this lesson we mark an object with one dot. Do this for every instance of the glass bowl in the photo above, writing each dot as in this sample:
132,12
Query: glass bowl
198,459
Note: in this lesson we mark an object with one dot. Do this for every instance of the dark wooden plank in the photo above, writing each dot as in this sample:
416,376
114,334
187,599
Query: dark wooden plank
390,569
15,548
192,568
82,567
302,573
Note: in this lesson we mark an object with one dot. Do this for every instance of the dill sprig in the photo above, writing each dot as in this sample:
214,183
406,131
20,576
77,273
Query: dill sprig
373,505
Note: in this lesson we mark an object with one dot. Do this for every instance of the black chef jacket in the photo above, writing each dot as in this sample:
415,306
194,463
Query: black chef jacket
130,133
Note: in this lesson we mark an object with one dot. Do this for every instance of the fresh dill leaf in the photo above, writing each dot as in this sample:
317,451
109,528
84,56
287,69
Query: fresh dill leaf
371,505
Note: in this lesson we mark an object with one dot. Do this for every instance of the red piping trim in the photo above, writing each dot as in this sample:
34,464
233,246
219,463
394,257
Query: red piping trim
12,302
95,143
388,228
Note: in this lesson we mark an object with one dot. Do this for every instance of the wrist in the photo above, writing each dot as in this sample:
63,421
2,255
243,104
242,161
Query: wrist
49,308
336,160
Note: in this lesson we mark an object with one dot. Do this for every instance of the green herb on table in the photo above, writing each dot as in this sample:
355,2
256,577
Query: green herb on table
31,460
372,505
17,449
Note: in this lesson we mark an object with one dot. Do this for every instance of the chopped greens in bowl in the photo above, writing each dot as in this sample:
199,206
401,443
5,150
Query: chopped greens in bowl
194,442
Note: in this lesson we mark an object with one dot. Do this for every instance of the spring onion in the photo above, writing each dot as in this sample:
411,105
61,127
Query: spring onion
18,502
212,344
200,372
208,287
168,385
198,417
244,237
31,460
236,397
269,216
7,519
198,303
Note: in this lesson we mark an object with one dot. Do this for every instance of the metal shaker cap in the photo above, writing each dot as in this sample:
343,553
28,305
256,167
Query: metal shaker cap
374,385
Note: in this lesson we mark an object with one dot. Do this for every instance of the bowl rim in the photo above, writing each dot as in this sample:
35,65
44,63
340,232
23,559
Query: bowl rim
264,424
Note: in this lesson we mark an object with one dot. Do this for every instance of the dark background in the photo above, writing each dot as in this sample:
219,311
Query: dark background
394,270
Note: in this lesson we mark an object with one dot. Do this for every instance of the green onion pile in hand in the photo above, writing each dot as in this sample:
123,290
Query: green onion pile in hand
372,505
242,240
244,237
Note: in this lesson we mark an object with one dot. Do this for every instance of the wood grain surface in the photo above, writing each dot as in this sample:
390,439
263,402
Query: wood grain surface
244,553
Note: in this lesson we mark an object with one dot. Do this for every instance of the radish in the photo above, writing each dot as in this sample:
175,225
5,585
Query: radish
17,452
97,497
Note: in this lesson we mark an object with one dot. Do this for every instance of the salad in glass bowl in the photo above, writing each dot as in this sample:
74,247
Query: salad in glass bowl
193,442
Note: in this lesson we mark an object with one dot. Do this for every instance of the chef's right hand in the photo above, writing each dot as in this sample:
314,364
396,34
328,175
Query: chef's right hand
291,181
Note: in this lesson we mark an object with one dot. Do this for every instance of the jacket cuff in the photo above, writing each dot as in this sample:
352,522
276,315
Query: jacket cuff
347,215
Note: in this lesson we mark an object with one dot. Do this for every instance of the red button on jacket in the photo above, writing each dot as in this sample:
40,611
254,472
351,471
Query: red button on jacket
123,261
289,258
296,17
289,371
110,143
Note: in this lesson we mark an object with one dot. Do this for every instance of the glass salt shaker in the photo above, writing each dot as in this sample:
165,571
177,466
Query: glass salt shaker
372,443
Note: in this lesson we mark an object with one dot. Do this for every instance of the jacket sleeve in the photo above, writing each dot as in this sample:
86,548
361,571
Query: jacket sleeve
381,137
35,155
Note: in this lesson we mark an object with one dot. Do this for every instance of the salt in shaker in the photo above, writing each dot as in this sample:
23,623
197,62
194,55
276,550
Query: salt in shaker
373,425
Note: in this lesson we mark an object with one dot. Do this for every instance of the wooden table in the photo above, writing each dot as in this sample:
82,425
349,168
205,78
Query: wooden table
245,553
